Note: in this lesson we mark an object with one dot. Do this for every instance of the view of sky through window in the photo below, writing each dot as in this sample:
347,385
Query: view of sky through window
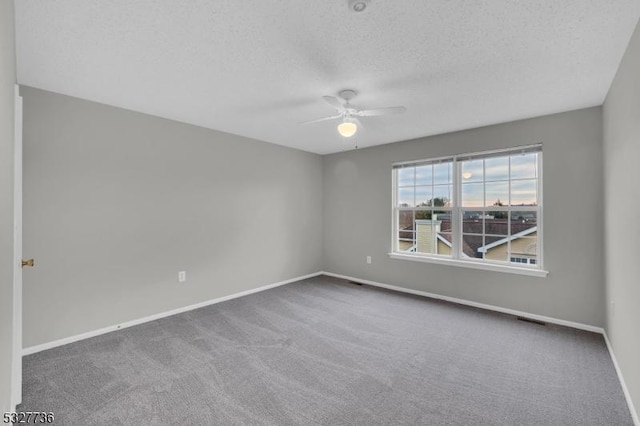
508,180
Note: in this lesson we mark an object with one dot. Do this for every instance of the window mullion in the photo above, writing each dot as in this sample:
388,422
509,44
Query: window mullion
395,225
509,213
539,217
456,223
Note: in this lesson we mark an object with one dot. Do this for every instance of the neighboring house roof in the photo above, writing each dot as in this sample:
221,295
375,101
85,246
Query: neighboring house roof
466,247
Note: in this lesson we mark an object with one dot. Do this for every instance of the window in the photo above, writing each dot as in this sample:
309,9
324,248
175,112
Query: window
482,208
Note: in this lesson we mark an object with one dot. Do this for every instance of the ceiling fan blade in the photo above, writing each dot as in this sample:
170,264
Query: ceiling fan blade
321,119
380,111
334,102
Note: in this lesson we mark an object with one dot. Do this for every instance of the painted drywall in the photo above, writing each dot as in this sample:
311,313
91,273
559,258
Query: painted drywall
357,218
621,124
117,202
7,84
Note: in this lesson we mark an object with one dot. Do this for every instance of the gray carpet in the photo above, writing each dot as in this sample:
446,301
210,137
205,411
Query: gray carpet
326,352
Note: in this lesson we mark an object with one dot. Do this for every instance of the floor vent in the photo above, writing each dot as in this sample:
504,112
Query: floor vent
353,282
532,321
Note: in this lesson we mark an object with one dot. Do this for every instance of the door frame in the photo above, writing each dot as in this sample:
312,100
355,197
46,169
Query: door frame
16,370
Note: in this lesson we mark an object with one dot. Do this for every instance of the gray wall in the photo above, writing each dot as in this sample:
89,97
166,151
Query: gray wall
357,218
622,200
117,202
7,82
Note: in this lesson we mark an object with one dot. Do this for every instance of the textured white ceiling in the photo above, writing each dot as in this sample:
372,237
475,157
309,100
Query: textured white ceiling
258,67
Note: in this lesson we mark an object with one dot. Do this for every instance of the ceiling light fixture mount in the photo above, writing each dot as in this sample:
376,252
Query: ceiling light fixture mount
358,5
347,94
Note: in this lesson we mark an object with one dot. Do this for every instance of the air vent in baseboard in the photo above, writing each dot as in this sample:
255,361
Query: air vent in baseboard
532,321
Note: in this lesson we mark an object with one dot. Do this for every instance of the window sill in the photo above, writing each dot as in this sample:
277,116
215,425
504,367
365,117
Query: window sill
474,265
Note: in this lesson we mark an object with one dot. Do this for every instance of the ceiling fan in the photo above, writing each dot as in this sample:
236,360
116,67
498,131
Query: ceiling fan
348,114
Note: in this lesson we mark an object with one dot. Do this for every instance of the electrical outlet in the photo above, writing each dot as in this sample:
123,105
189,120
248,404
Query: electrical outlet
182,276
369,260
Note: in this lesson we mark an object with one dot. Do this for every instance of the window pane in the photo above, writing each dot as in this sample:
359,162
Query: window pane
405,220
497,193
406,176
423,214
472,195
405,197
424,175
496,168
472,222
442,173
427,236
524,166
442,196
524,249
523,221
424,194
499,214
445,220
495,248
470,245
445,241
406,241
472,171
496,226
524,193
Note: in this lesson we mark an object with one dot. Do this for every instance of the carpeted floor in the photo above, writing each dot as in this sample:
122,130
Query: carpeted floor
326,352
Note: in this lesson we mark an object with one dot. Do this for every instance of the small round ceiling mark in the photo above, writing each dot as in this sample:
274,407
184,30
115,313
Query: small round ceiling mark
358,6
347,94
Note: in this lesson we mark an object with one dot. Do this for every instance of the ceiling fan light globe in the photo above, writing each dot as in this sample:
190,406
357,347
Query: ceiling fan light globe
347,129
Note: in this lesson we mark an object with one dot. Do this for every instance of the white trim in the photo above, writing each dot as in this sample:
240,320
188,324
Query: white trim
579,326
483,265
540,217
536,147
576,325
78,337
458,257
537,317
627,395
507,239
423,162
16,357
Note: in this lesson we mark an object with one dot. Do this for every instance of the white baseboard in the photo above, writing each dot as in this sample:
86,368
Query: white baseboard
49,345
474,304
627,396
71,339
600,330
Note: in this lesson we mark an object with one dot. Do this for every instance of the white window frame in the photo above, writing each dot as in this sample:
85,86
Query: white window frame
457,257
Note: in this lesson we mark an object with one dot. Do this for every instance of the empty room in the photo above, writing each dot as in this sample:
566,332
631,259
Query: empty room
339,212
